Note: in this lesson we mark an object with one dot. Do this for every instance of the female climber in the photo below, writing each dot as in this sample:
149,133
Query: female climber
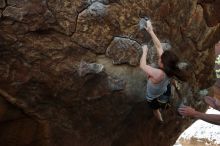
158,85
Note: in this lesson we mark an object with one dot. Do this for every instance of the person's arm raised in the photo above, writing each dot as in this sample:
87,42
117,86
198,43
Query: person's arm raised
156,41
143,62
150,71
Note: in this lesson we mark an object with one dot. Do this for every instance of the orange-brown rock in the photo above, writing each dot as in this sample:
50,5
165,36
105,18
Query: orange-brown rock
69,69
211,11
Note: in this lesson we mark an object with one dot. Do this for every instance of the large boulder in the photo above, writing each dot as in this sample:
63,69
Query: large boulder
69,70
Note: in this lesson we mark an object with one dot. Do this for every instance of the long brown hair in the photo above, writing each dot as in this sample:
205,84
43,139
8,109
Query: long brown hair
170,65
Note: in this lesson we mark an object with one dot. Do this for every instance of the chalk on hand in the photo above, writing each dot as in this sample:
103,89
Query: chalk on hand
144,22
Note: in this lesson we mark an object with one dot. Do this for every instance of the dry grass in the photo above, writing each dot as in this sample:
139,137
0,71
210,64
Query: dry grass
197,142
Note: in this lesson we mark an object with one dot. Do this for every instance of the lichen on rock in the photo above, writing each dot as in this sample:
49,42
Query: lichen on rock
124,50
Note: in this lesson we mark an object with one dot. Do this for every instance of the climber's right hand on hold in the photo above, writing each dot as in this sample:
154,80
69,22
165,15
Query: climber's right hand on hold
149,27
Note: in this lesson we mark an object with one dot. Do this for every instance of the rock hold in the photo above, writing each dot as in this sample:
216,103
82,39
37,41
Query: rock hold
89,68
203,92
124,50
116,84
142,23
101,1
97,9
182,65
166,46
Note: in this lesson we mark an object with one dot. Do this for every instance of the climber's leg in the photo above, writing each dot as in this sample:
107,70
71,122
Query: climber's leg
164,99
158,115
155,105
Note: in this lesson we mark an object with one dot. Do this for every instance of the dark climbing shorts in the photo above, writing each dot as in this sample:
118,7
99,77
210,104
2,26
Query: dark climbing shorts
162,101
156,104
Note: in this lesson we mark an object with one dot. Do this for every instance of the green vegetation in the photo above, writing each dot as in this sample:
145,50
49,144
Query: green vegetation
217,61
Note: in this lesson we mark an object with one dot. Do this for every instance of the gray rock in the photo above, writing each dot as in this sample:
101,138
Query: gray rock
116,84
101,1
142,23
203,92
124,50
182,65
166,46
97,9
89,68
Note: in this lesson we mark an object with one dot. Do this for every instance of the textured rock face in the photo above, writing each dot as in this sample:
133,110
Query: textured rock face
211,11
69,70
124,50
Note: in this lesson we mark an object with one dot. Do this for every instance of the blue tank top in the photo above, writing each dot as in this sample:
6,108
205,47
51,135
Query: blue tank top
155,90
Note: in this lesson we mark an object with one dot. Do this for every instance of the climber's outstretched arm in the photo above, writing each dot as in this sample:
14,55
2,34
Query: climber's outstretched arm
150,71
156,41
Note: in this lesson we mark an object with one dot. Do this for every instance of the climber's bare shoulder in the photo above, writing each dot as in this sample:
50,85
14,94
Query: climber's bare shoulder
154,74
